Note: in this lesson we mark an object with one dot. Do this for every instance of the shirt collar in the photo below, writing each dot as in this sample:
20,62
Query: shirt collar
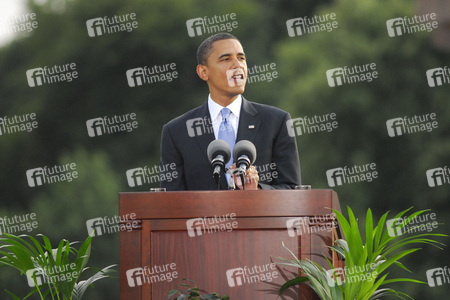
214,108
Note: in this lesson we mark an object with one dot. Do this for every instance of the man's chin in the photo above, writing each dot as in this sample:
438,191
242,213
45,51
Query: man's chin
237,90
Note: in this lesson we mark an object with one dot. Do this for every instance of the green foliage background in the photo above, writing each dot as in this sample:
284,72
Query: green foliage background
101,90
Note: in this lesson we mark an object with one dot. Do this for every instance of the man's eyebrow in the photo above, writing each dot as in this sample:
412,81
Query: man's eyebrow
228,54
224,55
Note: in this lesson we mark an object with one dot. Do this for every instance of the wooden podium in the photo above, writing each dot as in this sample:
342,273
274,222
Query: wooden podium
231,250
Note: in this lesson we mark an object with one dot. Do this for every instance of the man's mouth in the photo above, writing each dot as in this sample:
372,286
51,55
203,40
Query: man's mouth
238,77
235,77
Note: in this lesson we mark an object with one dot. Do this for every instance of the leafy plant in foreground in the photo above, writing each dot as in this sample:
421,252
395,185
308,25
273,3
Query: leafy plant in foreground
194,293
50,271
369,262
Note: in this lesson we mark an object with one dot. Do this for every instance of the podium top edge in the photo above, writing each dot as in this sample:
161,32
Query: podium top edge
222,191
250,203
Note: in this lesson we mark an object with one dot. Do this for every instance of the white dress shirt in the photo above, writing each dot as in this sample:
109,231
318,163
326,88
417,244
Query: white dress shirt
216,116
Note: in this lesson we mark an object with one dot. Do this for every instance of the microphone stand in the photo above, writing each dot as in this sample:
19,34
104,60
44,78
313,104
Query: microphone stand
241,173
231,185
218,166
217,180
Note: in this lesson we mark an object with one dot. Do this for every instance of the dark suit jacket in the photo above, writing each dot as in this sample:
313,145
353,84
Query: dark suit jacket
269,134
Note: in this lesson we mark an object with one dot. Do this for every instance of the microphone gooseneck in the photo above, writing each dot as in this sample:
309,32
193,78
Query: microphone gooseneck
219,154
244,154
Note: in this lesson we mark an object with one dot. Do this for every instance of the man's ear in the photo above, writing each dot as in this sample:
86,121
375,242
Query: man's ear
202,72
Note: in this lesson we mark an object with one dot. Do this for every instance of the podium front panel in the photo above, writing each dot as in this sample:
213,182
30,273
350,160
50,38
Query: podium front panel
225,248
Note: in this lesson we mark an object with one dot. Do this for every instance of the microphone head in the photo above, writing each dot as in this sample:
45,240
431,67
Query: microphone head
244,147
219,147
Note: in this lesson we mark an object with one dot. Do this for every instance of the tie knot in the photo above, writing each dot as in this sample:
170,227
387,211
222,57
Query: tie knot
225,113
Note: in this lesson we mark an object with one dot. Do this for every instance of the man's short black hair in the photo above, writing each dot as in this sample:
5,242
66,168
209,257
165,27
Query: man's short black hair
205,47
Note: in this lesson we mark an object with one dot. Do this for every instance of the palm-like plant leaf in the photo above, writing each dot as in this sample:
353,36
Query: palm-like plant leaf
369,261
55,264
81,287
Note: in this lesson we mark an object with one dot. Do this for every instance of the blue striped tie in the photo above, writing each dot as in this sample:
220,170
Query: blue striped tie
226,132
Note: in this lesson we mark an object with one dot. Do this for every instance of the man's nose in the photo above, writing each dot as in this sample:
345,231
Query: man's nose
237,63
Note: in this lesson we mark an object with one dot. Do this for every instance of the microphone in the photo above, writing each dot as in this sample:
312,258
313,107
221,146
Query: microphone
219,154
244,154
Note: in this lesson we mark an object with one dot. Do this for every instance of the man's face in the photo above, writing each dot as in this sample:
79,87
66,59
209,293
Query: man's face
226,69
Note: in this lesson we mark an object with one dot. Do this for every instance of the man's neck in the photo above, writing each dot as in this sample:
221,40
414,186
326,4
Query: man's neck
223,101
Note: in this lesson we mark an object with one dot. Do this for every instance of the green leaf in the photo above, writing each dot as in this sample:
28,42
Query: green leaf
59,253
369,233
81,287
172,293
83,254
48,245
292,282
12,295
403,280
210,297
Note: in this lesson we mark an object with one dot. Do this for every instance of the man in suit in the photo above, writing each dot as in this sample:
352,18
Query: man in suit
228,115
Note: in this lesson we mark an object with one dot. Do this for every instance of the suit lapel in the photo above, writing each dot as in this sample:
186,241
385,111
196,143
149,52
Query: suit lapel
207,137
248,123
